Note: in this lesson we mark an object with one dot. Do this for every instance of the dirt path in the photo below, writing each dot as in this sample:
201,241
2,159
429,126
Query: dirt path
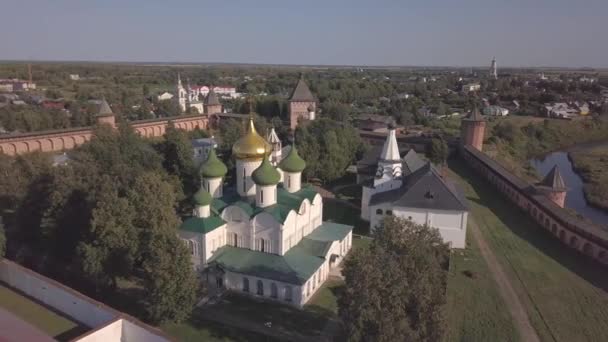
509,296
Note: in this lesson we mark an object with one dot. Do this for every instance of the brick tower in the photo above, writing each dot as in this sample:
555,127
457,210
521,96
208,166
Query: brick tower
301,104
212,103
472,130
105,116
554,187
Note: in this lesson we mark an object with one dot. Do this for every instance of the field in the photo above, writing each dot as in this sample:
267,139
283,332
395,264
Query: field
55,325
564,293
591,166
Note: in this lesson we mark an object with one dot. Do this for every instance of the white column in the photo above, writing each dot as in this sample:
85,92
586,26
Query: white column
292,181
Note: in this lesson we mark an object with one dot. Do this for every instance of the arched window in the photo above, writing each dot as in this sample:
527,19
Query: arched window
244,181
378,211
260,286
389,212
273,291
288,182
245,284
235,240
288,294
262,245
262,196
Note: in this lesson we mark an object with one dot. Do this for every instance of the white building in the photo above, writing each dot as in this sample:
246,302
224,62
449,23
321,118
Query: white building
266,237
412,189
471,87
495,111
164,96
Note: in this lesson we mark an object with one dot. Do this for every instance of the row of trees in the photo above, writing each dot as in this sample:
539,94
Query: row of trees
107,217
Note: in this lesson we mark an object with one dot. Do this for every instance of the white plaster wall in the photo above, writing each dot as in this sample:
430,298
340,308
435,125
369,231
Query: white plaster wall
109,333
316,211
231,215
292,181
246,167
267,228
132,332
451,224
202,211
290,232
197,260
214,186
366,212
269,198
67,301
234,281
213,240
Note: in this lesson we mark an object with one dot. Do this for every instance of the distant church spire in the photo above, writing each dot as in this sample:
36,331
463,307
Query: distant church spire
493,69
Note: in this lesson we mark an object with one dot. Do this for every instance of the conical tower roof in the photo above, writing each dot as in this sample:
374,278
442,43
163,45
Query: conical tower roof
554,180
293,162
104,109
390,150
301,92
213,167
212,99
273,137
266,174
202,197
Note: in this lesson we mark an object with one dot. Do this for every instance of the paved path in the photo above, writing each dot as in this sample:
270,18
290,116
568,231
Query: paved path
508,294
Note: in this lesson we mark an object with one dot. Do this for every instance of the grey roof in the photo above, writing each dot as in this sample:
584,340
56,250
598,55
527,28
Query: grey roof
301,92
211,99
412,162
104,109
554,180
423,189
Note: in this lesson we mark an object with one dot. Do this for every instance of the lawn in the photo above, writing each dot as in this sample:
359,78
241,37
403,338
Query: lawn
197,329
325,301
591,165
475,311
48,321
564,293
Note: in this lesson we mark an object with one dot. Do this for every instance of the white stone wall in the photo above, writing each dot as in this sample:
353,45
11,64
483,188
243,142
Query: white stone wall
237,223
452,225
267,228
244,184
234,281
53,294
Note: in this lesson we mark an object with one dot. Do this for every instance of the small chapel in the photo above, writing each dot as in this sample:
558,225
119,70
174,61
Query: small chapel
412,188
265,236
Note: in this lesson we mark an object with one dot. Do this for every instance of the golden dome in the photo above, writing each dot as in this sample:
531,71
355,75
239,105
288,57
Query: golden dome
251,145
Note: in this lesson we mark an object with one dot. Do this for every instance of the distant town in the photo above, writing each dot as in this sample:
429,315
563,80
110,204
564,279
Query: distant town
158,202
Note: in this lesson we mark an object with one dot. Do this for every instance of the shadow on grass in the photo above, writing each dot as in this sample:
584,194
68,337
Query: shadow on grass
524,227
222,331
339,211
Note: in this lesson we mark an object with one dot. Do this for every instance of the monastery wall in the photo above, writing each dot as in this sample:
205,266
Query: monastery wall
585,237
61,140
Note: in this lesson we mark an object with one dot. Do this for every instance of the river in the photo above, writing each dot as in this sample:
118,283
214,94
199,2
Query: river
575,199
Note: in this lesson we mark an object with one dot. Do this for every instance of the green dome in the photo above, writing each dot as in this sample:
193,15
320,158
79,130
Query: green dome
213,166
293,162
266,174
202,197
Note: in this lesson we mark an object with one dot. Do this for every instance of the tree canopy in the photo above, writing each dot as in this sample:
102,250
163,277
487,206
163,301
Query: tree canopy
395,289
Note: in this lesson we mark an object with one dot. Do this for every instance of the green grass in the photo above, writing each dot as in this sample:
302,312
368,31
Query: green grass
565,294
196,329
344,213
474,310
325,301
48,321
591,165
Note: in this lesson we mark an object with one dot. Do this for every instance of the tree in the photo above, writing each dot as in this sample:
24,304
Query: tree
178,159
170,283
395,290
438,152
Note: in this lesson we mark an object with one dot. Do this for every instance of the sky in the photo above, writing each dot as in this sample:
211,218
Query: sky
519,33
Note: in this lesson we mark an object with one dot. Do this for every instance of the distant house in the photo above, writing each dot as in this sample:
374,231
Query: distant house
495,111
201,148
74,77
426,112
374,122
164,96
560,110
53,104
470,87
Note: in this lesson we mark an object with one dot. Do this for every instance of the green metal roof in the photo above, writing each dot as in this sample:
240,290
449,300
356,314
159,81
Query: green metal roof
285,203
295,267
293,162
315,247
202,197
266,174
213,167
329,231
202,225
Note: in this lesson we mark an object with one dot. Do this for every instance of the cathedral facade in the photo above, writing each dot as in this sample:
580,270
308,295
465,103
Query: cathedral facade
264,237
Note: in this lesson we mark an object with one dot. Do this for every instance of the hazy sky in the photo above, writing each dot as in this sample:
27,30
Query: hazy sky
406,32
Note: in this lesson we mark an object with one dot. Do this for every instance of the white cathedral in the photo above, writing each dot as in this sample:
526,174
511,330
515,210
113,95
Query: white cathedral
265,237
413,189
